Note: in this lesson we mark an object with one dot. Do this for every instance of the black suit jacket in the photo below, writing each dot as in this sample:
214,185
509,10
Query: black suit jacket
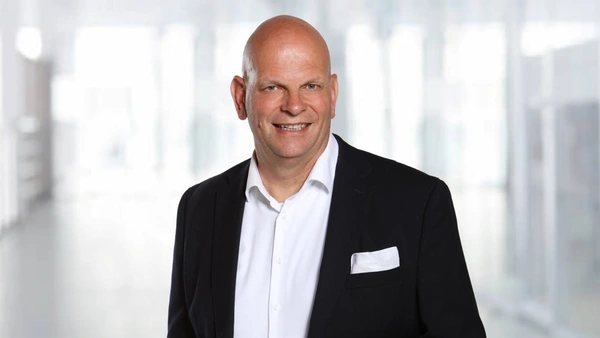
376,203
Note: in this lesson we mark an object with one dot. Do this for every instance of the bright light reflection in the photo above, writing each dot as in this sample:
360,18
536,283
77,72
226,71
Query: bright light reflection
538,37
366,99
29,42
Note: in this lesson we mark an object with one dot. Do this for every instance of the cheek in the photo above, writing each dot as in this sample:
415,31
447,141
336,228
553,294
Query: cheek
255,120
263,110
272,104
322,106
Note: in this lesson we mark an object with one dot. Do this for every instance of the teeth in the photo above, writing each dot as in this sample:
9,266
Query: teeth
292,126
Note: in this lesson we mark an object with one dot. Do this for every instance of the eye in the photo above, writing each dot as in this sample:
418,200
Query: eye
270,88
312,86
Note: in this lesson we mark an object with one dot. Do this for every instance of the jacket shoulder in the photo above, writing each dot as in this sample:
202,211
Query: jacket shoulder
384,169
210,186
391,173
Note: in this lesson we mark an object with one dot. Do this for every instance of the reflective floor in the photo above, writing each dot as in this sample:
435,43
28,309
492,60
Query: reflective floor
99,266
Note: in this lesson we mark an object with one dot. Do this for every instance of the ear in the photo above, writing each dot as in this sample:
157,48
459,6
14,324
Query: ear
333,83
238,93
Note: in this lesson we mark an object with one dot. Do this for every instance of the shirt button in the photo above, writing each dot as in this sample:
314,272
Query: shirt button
276,307
283,215
279,260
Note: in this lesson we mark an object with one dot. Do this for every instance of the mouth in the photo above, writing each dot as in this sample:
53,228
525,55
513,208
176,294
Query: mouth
292,127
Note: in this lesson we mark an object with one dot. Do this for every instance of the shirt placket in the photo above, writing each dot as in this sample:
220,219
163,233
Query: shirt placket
276,292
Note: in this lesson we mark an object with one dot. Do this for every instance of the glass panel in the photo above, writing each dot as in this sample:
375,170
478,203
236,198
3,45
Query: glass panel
366,97
2,155
116,74
474,120
406,82
578,185
579,212
536,280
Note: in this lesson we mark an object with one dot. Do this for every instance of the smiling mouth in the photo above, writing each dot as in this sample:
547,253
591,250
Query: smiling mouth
292,127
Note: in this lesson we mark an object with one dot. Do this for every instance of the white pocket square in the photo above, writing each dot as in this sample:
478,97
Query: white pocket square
374,261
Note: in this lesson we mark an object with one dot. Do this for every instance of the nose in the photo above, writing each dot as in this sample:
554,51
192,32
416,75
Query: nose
293,103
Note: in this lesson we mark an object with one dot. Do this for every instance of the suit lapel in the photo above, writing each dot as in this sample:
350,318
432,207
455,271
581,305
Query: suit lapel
228,223
348,212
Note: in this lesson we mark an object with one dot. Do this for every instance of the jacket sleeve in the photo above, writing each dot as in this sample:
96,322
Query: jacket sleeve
179,324
446,300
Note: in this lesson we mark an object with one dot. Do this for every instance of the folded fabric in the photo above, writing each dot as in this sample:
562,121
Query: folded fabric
381,260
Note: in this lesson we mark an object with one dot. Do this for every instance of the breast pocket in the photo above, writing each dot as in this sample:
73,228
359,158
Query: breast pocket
370,302
373,279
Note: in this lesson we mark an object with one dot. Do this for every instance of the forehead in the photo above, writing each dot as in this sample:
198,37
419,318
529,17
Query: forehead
291,58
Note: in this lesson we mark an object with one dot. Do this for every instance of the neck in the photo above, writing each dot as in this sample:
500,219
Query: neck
284,177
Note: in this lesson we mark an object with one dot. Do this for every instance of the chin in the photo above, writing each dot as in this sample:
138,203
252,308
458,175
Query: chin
291,151
291,154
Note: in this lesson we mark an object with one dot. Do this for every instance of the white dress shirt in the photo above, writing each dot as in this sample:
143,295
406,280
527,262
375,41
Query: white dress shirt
281,246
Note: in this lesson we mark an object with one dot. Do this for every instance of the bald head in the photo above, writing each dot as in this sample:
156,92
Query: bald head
283,34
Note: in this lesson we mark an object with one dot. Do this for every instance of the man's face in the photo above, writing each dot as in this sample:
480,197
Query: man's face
290,100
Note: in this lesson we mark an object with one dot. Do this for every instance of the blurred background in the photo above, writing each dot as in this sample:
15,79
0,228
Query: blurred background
109,110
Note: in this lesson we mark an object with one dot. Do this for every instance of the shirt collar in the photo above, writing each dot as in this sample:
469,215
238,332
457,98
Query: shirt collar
323,171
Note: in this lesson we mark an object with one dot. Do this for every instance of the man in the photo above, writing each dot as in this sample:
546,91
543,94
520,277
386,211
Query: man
312,237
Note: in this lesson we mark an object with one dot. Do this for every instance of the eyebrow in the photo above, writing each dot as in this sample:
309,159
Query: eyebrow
316,80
